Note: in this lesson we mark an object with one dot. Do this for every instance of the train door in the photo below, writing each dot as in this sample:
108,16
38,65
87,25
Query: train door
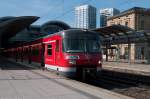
43,55
16,54
57,53
50,54
29,55
21,54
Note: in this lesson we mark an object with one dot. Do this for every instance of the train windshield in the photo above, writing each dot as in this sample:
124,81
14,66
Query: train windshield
81,45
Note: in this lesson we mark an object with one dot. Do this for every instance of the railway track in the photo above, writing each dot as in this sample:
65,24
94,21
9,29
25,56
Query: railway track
127,84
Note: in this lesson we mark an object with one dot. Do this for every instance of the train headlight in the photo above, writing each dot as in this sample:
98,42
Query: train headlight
72,62
72,57
99,62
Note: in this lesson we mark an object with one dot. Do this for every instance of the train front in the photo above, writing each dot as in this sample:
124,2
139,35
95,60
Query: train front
82,52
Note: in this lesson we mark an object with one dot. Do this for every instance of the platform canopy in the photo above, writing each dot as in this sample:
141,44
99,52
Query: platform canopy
118,34
10,26
13,25
114,30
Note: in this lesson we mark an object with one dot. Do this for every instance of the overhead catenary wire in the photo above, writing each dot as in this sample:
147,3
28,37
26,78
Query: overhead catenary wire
72,9
85,2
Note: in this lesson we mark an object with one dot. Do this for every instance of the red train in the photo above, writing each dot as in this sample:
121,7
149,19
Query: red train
73,52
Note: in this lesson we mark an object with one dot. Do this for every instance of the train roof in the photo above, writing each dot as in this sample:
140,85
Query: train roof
73,33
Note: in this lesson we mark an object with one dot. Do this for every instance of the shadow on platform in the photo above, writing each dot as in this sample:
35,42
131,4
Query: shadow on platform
9,65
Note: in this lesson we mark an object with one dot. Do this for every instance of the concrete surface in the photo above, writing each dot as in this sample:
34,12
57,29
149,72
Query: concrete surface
141,69
20,83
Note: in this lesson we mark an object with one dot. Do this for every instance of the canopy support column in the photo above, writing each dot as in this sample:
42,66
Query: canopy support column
129,52
118,53
106,52
148,58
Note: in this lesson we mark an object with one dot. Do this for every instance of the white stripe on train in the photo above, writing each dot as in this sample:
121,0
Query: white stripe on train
49,41
61,69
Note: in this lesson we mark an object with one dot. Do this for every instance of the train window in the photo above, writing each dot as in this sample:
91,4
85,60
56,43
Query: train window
93,46
35,51
57,45
81,45
49,49
74,45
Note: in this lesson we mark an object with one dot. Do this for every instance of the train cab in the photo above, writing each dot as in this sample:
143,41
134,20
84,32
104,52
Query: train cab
74,52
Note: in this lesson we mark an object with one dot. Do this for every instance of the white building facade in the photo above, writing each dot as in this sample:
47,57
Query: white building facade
85,17
105,13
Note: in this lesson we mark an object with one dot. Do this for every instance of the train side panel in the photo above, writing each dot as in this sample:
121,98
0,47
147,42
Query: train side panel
52,52
36,54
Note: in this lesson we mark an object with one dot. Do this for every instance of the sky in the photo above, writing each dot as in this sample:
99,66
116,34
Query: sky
62,10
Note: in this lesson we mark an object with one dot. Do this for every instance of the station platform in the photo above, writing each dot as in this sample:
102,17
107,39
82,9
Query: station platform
138,69
19,83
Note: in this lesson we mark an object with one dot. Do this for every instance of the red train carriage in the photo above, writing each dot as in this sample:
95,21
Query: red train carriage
71,52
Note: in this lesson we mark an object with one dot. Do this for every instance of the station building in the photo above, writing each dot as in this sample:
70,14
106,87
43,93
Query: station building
138,19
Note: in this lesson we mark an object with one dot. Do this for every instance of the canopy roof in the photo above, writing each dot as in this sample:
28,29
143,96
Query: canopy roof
10,26
114,30
117,34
